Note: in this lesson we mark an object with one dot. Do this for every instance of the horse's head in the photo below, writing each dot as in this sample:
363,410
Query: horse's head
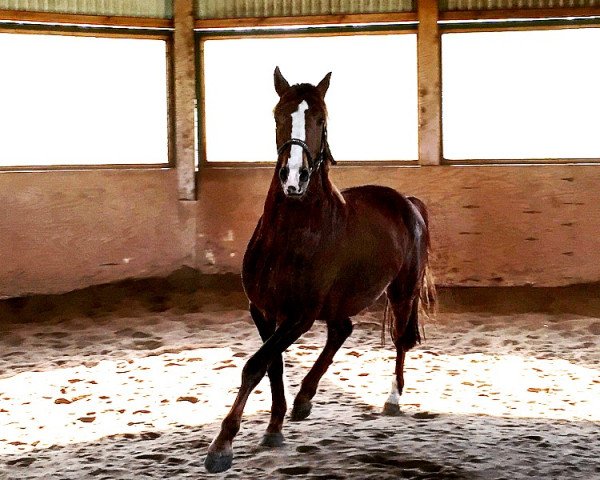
301,122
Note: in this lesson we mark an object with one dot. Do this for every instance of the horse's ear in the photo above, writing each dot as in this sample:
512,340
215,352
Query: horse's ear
281,84
324,85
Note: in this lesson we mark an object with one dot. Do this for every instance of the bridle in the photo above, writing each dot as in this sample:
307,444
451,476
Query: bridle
313,165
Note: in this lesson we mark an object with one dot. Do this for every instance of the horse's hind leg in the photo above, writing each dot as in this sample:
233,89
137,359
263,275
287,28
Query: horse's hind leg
273,436
405,333
337,333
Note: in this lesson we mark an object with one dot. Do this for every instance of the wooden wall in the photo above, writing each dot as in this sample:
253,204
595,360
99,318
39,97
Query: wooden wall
492,225
63,230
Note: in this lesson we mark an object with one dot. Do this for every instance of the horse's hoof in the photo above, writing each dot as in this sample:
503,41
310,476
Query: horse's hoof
273,440
300,411
391,410
216,462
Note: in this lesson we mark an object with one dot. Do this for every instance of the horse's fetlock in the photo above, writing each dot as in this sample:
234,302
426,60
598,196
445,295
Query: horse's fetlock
278,411
307,392
230,427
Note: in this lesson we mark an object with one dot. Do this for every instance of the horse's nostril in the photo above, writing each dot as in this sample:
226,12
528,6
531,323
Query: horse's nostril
291,189
304,175
283,173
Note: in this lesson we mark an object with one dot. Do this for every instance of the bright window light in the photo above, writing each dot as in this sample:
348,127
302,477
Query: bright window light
372,99
69,100
521,95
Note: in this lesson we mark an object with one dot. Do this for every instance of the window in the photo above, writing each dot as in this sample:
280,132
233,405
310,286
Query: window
521,95
372,99
69,100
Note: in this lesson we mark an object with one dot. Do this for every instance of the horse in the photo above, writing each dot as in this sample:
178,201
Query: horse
321,254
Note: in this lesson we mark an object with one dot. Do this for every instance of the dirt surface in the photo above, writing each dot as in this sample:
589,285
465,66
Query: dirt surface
127,382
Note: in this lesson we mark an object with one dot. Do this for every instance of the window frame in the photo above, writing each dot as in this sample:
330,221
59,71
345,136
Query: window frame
510,21
292,31
446,21
78,30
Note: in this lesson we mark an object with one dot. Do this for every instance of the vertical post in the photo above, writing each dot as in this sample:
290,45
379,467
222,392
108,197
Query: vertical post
184,91
429,66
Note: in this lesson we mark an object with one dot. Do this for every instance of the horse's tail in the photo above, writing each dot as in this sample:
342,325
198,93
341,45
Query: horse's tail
425,300
427,291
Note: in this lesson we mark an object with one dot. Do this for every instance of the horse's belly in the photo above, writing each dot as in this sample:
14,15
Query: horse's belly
351,294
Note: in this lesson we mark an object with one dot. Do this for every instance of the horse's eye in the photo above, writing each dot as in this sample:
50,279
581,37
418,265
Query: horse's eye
304,175
283,173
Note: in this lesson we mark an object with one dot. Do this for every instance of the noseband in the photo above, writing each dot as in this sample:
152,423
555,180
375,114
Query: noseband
313,165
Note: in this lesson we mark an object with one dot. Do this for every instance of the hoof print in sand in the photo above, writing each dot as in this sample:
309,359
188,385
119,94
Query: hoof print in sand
425,415
296,470
21,462
307,448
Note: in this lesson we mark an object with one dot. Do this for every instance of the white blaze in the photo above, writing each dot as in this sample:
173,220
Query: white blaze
299,132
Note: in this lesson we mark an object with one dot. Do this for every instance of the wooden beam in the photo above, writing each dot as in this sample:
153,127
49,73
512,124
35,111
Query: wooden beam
305,20
429,67
518,13
20,16
184,90
514,26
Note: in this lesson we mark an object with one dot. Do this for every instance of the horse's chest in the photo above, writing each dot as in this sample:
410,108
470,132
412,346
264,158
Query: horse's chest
279,278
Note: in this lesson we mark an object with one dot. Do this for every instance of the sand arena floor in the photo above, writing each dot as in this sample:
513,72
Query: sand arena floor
138,389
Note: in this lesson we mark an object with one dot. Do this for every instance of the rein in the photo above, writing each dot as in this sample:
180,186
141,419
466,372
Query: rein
313,165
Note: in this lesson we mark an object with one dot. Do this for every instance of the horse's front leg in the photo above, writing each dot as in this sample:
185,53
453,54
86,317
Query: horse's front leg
337,333
273,436
220,451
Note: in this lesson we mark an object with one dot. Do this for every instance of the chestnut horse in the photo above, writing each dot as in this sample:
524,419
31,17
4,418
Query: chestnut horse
321,254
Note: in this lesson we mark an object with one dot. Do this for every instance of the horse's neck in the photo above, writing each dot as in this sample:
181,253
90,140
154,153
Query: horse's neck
321,201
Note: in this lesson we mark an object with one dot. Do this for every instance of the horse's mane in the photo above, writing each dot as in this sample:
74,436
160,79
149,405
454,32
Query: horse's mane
308,92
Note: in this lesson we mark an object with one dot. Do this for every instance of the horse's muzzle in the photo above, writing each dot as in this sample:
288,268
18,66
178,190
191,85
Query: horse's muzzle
292,191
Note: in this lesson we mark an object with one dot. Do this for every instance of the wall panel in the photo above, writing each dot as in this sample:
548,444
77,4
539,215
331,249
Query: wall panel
63,230
492,225
209,9
452,5
129,8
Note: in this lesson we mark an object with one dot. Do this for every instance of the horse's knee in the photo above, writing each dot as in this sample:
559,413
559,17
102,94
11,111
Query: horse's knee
254,370
346,328
276,368
301,328
342,330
